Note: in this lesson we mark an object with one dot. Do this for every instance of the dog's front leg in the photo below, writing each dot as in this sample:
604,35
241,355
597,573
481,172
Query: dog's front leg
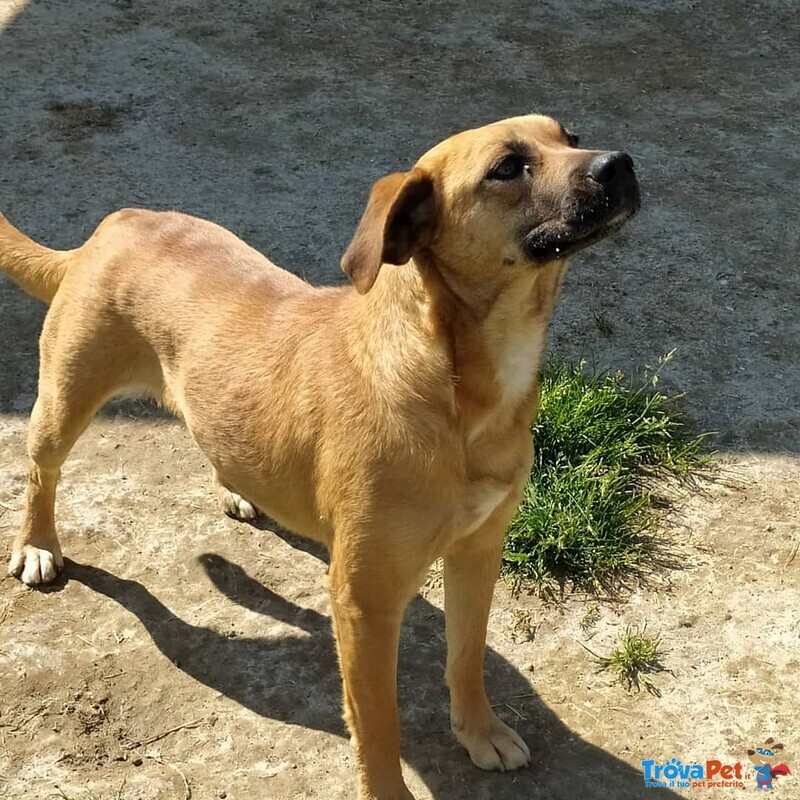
471,570
367,627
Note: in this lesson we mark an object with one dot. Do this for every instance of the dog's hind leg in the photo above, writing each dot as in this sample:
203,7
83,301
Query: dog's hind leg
78,373
59,417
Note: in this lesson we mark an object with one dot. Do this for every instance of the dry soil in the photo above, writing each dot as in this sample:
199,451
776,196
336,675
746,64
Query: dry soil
185,653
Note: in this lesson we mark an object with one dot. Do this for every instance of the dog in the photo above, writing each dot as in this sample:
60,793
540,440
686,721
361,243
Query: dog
389,420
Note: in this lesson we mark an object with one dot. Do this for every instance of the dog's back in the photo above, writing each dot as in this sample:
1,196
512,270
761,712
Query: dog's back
179,247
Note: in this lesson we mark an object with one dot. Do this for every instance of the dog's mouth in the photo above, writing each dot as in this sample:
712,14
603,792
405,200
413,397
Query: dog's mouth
561,238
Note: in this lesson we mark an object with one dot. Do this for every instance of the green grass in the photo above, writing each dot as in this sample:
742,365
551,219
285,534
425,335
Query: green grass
635,658
593,505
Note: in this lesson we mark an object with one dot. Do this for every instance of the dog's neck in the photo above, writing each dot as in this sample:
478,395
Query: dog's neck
483,340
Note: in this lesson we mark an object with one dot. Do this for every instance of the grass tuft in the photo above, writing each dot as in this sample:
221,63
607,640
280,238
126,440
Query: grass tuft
592,503
62,795
636,656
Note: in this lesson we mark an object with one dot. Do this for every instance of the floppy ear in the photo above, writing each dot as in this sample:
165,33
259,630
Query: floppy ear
399,218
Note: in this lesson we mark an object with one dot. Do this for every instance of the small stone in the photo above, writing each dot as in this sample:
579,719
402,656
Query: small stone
222,794
137,762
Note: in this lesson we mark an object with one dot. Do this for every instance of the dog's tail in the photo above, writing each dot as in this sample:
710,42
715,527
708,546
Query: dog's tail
38,270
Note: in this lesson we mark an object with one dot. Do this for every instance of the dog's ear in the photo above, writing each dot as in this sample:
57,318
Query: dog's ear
751,752
778,746
399,219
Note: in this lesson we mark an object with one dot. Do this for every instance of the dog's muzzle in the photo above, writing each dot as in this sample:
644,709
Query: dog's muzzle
613,172
607,197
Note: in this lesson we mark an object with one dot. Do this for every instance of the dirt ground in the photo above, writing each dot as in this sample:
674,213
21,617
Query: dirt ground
185,650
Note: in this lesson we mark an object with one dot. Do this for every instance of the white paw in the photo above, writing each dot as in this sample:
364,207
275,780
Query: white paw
234,505
494,746
33,565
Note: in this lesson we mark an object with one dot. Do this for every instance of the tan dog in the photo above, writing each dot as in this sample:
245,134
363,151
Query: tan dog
390,421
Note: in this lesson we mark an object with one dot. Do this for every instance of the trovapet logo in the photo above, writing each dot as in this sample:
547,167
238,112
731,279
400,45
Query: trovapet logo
716,774
710,774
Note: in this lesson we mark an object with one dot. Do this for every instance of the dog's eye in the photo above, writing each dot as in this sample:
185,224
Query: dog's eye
507,168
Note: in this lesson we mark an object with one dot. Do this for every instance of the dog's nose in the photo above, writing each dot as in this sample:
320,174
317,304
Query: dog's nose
608,168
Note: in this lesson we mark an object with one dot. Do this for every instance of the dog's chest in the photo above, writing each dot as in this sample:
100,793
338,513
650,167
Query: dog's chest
483,497
516,364
499,465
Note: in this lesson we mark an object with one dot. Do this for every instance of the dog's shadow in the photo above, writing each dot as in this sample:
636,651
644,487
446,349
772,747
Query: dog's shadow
295,679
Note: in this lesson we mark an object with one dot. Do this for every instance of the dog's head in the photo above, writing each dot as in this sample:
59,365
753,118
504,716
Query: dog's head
766,753
500,199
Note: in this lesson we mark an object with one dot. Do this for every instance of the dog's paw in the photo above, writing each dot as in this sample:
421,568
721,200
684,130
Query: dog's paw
234,505
35,565
494,746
